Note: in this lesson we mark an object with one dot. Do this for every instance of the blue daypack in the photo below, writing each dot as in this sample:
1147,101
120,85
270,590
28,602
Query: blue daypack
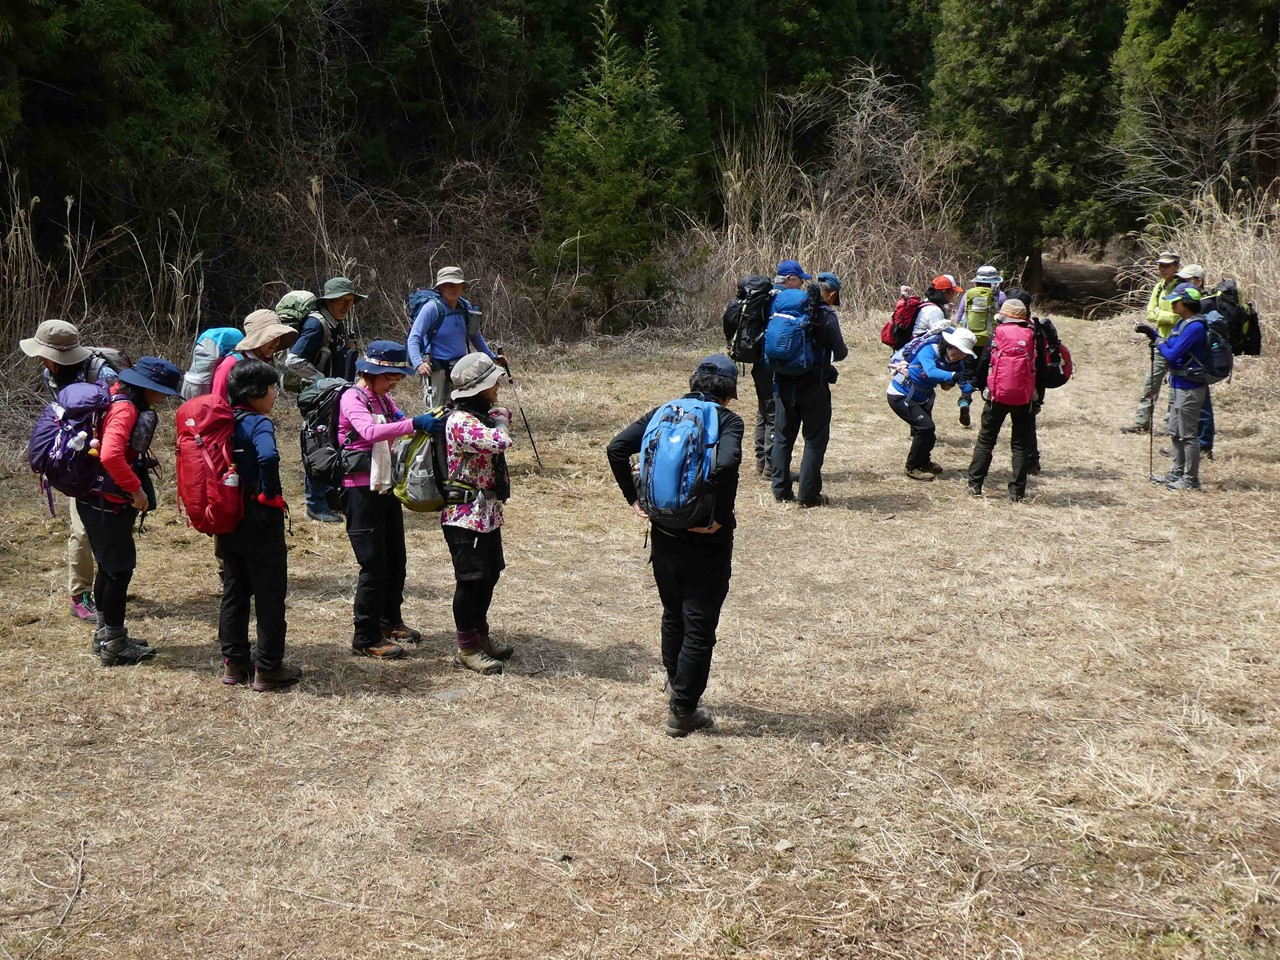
63,448
788,339
227,338
915,345
677,454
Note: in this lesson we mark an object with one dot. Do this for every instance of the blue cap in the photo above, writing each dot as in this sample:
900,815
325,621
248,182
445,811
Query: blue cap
792,268
721,366
1186,292
832,281
154,373
385,356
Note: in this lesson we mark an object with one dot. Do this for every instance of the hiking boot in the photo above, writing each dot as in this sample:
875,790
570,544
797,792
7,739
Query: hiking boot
1163,480
965,419
975,489
401,634
1015,497
235,673
934,468
762,468
386,650
281,678
785,498
919,474
1135,428
123,651
495,648
681,723
82,605
821,500
324,516
475,658
1183,483
1206,452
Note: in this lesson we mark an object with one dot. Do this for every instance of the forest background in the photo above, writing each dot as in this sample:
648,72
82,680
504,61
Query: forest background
598,168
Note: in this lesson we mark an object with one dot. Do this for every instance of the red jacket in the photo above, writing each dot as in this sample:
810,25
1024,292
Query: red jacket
117,456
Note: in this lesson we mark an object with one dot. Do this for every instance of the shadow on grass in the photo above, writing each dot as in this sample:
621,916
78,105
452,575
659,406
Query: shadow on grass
876,724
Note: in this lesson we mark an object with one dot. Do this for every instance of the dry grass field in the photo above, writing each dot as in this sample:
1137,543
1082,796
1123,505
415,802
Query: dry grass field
947,728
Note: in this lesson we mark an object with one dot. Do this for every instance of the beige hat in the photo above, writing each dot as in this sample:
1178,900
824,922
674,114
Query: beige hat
1013,309
1192,271
450,275
1167,257
263,326
58,341
474,373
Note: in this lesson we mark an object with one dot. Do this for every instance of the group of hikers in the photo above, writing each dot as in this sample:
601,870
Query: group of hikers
677,465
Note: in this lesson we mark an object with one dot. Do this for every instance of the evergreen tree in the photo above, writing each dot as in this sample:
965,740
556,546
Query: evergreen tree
614,172
1026,87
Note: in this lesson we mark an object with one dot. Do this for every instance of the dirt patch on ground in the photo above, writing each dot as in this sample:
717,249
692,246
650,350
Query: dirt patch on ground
947,727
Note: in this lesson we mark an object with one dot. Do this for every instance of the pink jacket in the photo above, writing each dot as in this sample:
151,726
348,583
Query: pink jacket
354,416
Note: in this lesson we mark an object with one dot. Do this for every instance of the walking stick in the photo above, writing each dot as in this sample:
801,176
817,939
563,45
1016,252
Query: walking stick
520,406
1151,430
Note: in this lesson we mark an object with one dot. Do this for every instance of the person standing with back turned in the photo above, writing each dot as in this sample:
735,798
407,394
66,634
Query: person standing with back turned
691,566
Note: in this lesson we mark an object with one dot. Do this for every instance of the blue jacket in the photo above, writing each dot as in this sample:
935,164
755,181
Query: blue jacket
927,370
450,341
1185,347
255,453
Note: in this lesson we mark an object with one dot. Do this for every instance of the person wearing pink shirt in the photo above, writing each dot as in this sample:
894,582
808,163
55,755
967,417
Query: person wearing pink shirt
368,420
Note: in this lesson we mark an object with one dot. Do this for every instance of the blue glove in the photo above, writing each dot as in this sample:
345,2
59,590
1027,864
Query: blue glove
427,423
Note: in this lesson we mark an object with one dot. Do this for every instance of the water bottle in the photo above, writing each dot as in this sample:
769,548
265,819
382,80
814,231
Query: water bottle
232,479
77,442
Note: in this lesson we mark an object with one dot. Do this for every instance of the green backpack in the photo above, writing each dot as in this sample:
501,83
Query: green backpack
980,311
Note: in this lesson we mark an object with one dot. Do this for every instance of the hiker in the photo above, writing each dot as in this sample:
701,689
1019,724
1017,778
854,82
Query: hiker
803,403
211,346
932,315
976,312
264,336
254,556
477,434
1049,350
692,564
444,329
789,276
938,361
1184,352
326,347
368,420
56,345
1160,316
1193,274
1006,375
127,429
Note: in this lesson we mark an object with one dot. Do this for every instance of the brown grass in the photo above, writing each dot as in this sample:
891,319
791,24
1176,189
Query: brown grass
947,728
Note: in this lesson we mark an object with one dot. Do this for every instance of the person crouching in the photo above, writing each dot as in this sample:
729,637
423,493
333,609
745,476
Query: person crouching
368,420
255,560
477,435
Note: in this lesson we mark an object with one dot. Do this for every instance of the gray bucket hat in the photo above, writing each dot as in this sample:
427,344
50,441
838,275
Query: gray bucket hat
474,373
58,341
340,287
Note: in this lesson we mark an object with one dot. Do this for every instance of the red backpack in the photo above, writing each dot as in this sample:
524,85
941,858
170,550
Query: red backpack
1056,364
208,482
897,332
1012,378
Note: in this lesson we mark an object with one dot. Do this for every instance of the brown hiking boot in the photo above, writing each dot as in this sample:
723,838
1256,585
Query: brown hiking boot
386,650
281,678
234,673
681,723
495,648
401,634
923,475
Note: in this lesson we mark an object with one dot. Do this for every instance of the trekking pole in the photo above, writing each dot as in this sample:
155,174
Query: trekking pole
1151,431
520,406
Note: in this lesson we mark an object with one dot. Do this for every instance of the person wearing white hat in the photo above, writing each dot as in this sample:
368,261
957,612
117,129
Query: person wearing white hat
445,328
1160,316
56,344
938,362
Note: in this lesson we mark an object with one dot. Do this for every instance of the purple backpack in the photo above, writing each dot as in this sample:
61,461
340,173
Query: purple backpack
63,448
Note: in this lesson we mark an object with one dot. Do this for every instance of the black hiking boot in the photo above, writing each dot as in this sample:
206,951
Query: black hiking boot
121,650
965,418
681,723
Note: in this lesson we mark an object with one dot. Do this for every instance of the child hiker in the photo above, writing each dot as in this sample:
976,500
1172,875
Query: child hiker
368,420
127,428
255,560
477,434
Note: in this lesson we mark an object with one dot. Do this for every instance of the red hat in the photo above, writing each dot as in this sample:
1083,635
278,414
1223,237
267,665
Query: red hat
944,281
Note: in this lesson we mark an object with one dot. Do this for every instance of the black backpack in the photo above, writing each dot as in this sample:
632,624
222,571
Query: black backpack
324,460
746,317
1244,327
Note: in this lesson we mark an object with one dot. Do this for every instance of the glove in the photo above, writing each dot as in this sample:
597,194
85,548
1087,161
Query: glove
501,413
277,501
1146,330
427,423
832,374
504,363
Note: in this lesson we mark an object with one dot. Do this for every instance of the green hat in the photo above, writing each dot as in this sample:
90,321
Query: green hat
340,287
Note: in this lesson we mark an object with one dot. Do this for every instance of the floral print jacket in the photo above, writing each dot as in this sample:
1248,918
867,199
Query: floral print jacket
475,454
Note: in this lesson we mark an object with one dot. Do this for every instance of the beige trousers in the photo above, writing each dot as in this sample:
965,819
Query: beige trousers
79,555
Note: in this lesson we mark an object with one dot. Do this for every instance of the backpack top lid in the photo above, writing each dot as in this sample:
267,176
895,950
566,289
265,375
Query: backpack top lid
226,338
753,285
83,397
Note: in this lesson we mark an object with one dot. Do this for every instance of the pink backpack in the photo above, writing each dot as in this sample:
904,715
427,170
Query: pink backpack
1012,379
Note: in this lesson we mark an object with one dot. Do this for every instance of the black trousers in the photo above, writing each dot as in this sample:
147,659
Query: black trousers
693,581
1023,423
255,567
802,405
110,531
762,378
924,435
375,526
477,564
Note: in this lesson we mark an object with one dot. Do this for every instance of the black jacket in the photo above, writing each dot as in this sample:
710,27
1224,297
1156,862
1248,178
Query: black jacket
724,475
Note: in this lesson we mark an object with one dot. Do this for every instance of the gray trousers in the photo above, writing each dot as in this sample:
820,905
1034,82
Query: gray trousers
762,377
1184,427
1151,391
437,387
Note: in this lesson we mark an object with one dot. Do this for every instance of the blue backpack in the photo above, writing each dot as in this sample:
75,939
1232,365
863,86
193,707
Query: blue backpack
677,455
915,345
227,338
788,339
419,298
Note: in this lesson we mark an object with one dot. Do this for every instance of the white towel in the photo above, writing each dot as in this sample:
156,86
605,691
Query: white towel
381,477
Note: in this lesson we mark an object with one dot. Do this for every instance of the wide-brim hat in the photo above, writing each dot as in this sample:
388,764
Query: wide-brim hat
993,276
1013,309
385,356
340,287
154,373
1192,271
58,341
450,275
263,326
962,339
475,373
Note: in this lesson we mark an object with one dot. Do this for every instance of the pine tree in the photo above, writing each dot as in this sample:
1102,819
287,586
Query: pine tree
1027,87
